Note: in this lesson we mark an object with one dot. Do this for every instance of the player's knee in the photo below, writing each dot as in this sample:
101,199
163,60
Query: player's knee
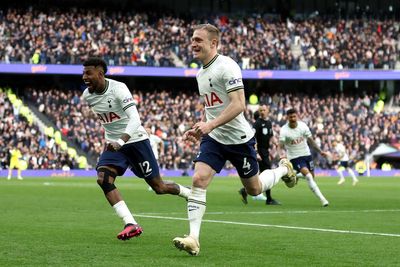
105,179
199,180
100,178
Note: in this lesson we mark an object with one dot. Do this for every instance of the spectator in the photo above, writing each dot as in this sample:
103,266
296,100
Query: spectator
169,114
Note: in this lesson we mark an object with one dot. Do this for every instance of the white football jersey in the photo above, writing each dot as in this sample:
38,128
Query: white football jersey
341,150
295,140
110,107
155,143
216,80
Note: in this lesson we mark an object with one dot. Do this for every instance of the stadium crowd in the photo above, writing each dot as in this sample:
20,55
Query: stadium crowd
146,39
169,114
38,150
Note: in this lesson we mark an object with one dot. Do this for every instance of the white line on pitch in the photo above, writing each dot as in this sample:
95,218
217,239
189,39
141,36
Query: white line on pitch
274,226
278,212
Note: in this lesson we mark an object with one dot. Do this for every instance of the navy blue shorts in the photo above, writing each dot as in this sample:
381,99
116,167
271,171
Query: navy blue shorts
242,156
138,156
344,164
301,162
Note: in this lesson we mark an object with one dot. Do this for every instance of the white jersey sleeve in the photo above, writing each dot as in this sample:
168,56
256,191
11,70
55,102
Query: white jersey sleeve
232,78
129,107
125,97
155,141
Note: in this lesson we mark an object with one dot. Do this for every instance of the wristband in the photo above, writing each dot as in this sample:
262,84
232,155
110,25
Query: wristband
121,142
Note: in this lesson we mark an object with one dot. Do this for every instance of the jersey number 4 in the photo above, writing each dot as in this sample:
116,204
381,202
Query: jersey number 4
246,164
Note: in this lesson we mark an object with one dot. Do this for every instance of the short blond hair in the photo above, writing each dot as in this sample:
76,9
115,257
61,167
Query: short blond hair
213,32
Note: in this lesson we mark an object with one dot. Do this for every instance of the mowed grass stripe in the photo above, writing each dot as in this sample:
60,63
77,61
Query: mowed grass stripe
275,212
274,226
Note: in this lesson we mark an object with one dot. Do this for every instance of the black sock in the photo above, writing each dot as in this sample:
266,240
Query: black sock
268,194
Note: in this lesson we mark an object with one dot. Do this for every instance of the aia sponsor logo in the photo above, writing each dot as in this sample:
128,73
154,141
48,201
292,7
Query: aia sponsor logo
108,117
212,99
297,141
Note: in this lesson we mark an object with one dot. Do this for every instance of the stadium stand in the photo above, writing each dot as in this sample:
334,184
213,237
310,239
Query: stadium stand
143,39
256,40
351,116
39,151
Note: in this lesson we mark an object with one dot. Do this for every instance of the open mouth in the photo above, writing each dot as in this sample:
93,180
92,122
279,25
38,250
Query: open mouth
196,51
88,84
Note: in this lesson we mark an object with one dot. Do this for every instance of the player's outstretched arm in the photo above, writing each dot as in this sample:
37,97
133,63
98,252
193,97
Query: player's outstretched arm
131,127
312,143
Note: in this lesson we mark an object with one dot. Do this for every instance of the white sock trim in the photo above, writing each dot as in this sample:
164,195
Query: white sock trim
124,213
184,191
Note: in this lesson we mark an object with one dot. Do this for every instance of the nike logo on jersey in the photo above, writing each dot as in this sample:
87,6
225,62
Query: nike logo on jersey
245,173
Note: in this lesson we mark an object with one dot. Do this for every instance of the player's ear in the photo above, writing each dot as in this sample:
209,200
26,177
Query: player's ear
100,72
214,43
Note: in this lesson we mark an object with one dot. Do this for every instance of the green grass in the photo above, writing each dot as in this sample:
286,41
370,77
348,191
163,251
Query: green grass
67,222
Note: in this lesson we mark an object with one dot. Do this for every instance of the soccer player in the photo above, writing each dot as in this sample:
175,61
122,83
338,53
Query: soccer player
14,161
294,136
343,158
156,143
224,132
263,134
127,143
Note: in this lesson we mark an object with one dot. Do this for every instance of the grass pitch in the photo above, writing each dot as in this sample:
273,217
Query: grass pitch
67,222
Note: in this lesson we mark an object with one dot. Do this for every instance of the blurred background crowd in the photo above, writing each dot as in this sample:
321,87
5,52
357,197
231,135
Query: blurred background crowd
362,35
38,150
255,41
169,114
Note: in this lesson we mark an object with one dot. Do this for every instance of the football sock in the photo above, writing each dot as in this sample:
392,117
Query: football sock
268,194
269,178
196,208
340,172
314,187
259,197
353,176
123,212
184,191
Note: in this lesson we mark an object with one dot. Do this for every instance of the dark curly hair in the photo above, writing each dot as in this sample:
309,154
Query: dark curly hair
96,61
